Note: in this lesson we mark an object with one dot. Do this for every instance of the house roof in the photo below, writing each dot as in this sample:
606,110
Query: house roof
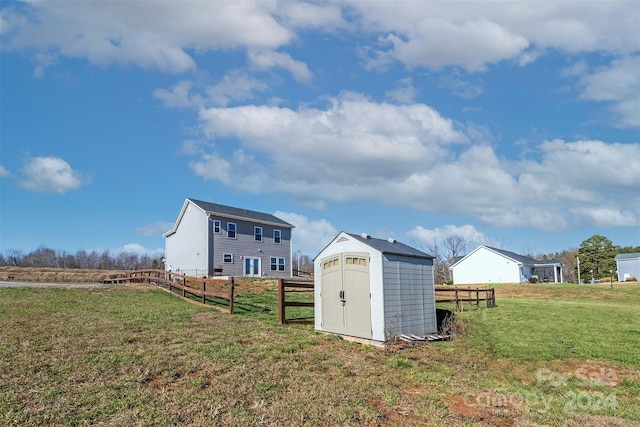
514,256
525,260
229,211
390,246
632,255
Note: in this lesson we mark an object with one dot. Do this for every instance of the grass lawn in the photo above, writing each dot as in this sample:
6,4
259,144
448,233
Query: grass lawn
135,355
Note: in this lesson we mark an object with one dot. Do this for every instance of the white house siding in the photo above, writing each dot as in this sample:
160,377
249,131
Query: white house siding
629,267
186,249
408,296
485,266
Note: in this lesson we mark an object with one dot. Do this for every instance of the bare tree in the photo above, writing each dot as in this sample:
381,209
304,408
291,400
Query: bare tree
15,256
455,246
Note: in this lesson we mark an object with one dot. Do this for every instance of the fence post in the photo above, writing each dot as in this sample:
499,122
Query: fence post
184,286
231,296
281,312
204,290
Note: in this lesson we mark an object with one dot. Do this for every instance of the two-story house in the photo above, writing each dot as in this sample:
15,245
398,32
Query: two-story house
209,239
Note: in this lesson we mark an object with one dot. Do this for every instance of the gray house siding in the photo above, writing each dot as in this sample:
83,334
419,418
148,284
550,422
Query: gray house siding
193,246
244,245
409,300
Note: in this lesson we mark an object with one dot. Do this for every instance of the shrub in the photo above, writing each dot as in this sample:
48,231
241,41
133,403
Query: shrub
631,279
533,280
449,282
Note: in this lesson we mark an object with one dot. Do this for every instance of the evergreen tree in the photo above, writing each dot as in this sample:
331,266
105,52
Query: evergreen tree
597,257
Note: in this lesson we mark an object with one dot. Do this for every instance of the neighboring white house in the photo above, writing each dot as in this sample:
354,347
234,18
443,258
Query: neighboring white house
628,266
373,290
210,239
490,265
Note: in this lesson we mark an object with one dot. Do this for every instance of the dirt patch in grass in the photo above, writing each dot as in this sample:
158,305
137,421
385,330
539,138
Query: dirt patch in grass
491,410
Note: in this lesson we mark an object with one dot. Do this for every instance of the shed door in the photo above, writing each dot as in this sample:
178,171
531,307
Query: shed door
346,297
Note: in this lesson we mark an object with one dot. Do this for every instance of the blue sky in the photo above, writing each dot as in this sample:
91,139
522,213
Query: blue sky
514,124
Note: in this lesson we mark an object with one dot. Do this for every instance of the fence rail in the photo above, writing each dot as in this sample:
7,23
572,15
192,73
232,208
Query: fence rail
194,286
288,286
459,296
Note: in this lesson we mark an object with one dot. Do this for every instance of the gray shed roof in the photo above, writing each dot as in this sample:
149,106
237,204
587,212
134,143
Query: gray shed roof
392,247
214,208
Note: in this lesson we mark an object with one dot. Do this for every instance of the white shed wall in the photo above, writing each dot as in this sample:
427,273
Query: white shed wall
485,266
186,249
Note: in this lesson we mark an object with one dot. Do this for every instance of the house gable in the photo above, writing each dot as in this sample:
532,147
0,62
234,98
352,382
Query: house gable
486,264
202,241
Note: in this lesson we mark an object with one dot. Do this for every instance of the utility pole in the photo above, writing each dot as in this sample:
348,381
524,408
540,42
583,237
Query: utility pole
579,282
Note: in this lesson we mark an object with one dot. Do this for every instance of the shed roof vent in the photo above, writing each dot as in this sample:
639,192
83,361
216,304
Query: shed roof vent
365,236
391,240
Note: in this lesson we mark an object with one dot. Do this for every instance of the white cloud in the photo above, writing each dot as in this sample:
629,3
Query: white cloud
50,174
179,96
149,34
578,68
431,237
309,236
264,59
4,172
167,35
619,85
463,88
471,44
157,228
404,93
234,87
305,15
406,155
137,249
436,34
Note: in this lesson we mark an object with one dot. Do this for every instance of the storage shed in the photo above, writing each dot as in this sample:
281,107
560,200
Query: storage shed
373,290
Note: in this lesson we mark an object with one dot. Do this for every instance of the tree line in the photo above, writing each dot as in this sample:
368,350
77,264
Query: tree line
596,257
94,260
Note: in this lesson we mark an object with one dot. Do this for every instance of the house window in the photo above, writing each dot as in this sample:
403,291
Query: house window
277,237
277,264
257,234
231,230
216,226
227,258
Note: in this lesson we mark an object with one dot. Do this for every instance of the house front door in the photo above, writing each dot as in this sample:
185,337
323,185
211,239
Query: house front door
252,267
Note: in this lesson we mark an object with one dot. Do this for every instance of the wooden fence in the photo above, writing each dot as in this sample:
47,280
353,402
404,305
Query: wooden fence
201,288
471,296
289,286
